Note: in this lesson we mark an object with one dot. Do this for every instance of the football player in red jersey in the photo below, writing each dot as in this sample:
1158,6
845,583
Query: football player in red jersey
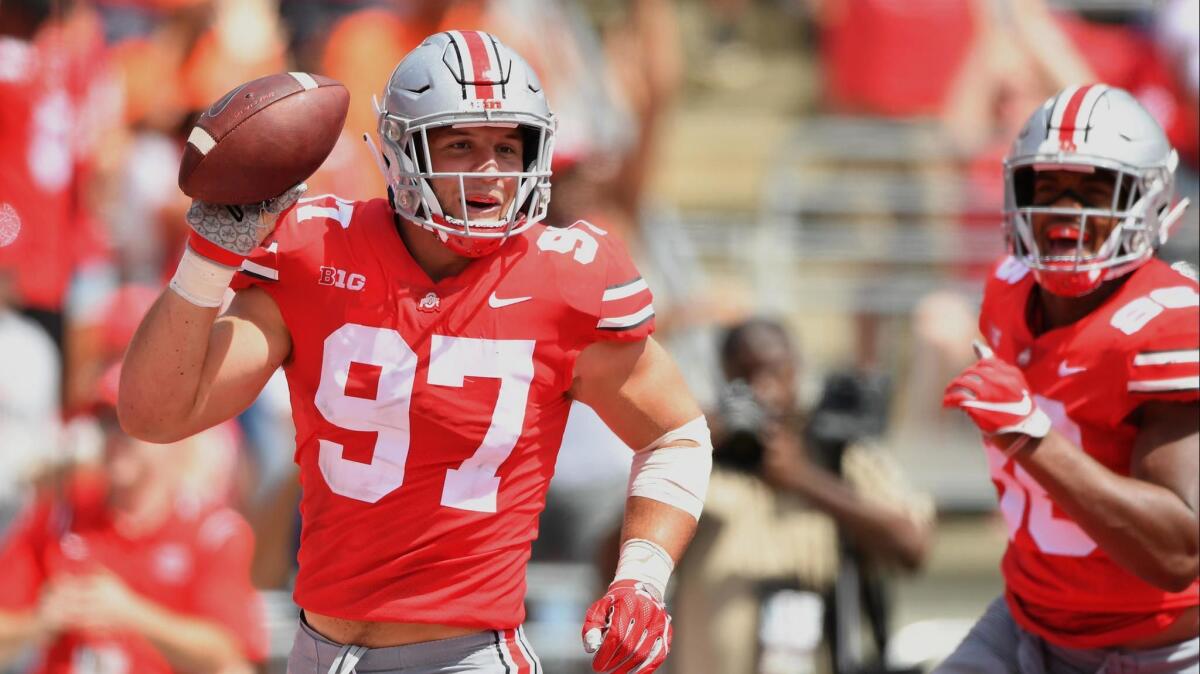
433,342
1087,399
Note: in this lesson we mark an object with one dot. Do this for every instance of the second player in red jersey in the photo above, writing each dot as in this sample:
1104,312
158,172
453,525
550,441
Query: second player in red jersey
433,342
1090,379
1086,394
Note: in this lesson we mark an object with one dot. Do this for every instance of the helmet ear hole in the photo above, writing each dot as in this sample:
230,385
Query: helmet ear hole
1024,179
418,141
531,139
1129,191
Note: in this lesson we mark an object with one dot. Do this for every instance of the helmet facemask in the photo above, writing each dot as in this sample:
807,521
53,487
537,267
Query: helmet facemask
1134,224
409,171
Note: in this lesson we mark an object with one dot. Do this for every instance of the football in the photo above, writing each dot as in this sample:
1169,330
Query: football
263,137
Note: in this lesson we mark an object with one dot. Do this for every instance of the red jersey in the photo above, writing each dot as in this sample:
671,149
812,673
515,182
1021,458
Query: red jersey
429,415
197,563
1089,377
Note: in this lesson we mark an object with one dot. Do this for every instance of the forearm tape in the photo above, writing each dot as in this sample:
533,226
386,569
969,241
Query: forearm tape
674,469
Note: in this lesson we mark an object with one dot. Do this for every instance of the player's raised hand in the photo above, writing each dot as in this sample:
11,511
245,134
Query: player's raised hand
997,398
628,629
228,234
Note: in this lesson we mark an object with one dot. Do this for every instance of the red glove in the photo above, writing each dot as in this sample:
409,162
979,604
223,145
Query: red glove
628,629
997,398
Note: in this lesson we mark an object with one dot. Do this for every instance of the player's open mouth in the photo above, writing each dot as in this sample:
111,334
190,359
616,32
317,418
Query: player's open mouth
483,207
1064,240
481,202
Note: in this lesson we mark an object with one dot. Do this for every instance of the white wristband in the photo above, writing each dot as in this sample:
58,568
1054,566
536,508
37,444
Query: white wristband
647,562
201,281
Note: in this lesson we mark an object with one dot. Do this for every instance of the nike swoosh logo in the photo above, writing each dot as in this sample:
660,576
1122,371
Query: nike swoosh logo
1065,370
1019,408
497,303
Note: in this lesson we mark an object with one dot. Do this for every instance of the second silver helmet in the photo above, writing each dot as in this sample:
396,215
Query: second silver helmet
1093,128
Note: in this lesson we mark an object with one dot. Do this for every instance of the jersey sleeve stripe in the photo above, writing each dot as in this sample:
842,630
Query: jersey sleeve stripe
626,322
620,292
342,212
1167,357
1155,385
257,269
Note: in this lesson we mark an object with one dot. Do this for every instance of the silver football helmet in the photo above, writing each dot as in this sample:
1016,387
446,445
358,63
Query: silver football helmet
1093,128
464,78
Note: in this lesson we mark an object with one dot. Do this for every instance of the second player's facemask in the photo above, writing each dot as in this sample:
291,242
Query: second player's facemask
1073,249
464,78
1096,130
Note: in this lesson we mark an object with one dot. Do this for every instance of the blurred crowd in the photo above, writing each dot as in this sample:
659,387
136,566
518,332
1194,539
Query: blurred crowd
96,101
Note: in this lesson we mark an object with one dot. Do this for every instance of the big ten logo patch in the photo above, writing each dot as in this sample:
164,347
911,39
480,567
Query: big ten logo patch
338,278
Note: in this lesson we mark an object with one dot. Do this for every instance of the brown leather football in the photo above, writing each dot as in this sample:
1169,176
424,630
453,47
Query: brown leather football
263,137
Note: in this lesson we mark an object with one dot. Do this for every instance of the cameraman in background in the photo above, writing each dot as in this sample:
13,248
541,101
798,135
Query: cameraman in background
798,505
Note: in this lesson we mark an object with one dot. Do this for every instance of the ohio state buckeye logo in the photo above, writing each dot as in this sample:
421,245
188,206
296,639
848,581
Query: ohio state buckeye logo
429,303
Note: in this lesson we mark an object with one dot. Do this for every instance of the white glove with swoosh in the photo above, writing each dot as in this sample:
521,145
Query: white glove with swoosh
996,397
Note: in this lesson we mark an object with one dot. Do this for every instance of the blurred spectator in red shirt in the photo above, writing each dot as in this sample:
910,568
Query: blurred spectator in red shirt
892,58
1122,55
121,573
1024,53
57,95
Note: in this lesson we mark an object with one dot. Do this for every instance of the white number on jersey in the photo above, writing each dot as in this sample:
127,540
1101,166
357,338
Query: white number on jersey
1011,270
1135,315
570,239
471,486
1052,535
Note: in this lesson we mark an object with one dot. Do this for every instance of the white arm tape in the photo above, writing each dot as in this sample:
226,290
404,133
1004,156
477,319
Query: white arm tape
675,474
201,281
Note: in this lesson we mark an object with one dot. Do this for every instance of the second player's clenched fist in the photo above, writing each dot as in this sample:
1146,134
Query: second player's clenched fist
628,629
997,398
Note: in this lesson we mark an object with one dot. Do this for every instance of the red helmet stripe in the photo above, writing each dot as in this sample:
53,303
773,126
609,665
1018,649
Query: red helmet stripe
1071,117
481,64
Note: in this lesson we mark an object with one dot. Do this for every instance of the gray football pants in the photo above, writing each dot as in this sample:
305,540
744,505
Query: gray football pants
997,645
489,652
